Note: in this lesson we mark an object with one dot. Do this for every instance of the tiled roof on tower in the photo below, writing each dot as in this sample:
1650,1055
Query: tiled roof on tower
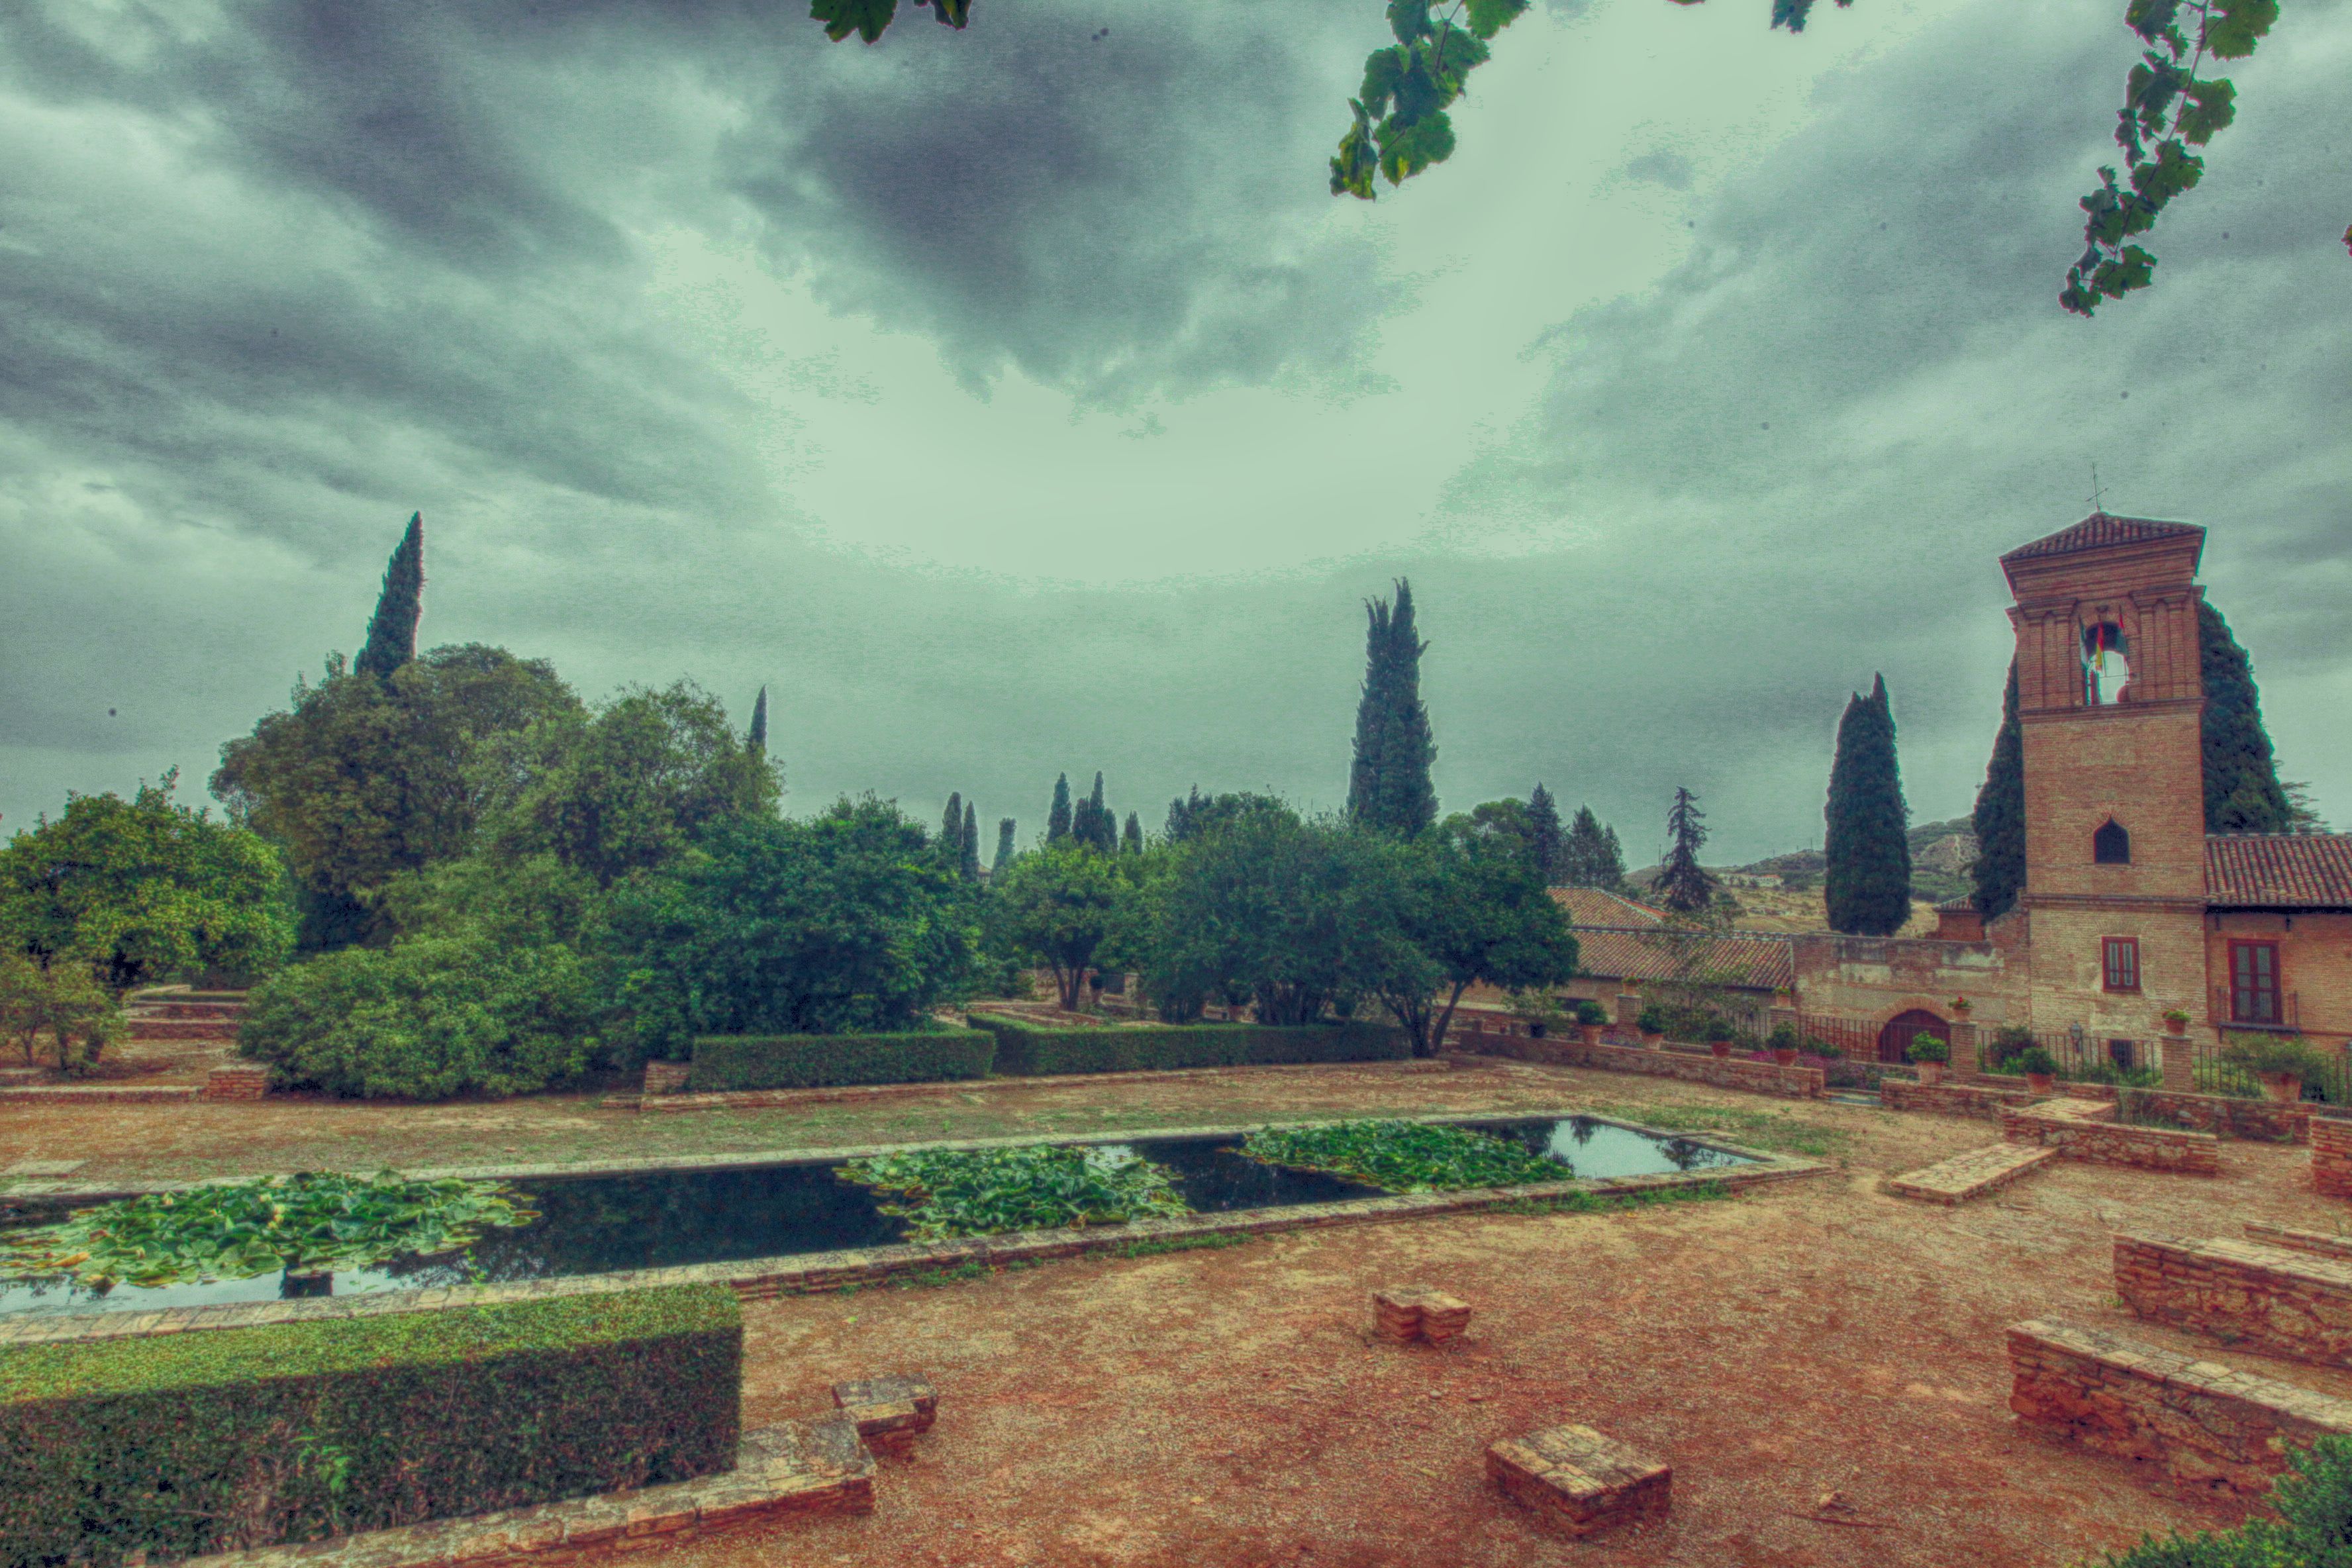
2098,531
2277,870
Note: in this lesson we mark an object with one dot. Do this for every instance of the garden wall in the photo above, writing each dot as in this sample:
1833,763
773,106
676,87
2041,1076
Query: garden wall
1952,1099
725,1062
2110,1143
2202,1424
1024,1050
2287,1302
1722,1072
2258,1121
158,1448
2331,1156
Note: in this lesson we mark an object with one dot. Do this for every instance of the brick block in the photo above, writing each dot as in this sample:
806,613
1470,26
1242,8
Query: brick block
1579,1481
1403,1313
890,1412
242,1080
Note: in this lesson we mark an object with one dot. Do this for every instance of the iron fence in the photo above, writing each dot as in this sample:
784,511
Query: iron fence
2328,1081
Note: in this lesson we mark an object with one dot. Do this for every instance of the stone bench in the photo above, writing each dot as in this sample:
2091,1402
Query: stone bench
1971,1174
2277,1300
1403,1313
890,1412
1579,1481
2202,1424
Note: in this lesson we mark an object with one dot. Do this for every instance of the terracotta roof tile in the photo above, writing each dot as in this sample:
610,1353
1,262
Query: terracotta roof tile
2099,529
1965,901
1592,907
2276,870
1751,959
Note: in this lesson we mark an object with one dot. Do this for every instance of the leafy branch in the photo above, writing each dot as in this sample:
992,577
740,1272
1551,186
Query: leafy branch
2167,109
1400,126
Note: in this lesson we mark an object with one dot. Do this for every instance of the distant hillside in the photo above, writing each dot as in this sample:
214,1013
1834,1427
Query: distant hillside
1941,856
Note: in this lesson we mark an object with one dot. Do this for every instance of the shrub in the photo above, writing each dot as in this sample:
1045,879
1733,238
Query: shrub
431,1018
1827,1050
2264,1054
811,1061
1653,1019
175,1446
64,1003
949,1193
1023,1049
2031,1059
1928,1049
2121,1076
2313,1502
1587,1011
1784,1038
1407,1156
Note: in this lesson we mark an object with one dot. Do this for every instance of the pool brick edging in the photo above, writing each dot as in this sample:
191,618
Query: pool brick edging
763,1278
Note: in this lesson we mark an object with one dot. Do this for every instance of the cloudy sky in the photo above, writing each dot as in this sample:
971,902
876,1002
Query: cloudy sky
1018,400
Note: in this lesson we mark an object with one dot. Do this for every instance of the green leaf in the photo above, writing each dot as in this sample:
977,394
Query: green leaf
1383,70
2236,25
2208,107
1408,19
953,12
1407,150
2157,21
1488,17
866,18
2150,89
2174,170
1447,58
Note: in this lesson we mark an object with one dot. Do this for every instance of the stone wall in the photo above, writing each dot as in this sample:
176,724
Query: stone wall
1722,1072
242,1080
2245,1293
2201,1424
2331,1156
1952,1099
2257,1121
2111,1143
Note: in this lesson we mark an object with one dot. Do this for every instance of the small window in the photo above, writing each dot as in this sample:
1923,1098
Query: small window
2120,956
2119,1052
2253,982
2106,671
2111,845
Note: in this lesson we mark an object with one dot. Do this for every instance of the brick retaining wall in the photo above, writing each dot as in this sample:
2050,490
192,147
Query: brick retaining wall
94,1094
2266,1298
2204,1425
2331,1156
1722,1072
1951,1099
244,1080
2259,1121
2112,1143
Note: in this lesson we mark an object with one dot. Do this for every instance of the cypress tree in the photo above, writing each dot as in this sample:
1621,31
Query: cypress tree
951,829
1544,836
2242,794
1130,841
1003,845
758,737
1866,874
1095,824
970,843
1057,819
2000,820
392,630
1389,787
1684,883
1591,857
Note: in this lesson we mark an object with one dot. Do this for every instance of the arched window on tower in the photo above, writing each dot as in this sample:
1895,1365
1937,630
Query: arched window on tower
2111,845
2105,668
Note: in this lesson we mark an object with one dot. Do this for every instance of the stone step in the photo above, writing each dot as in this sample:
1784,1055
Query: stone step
2278,1300
153,1028
1970,1175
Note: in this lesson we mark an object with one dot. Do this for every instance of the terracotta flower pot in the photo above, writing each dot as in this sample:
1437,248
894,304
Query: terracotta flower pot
1931,1072
2038,1082
2176,1026
1720,1048
1653,1037
2282,1088
1785,1057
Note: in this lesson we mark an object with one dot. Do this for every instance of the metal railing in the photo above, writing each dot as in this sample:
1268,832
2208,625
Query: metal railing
2327,1081
2225,1013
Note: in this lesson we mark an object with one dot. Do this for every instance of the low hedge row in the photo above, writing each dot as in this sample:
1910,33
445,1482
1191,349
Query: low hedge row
218,1439
1023,1048
821,1061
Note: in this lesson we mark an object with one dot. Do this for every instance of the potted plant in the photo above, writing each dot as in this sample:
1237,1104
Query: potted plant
1785,1044
2040,1068
2281,1063
1962,1006
2176,1020
1930,1053
1653,1025
1592,1017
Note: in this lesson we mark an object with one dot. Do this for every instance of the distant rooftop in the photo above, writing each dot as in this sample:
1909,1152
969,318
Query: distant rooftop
1592,907
2100,530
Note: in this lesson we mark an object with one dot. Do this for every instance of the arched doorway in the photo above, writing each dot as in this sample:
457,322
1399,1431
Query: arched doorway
1896,1037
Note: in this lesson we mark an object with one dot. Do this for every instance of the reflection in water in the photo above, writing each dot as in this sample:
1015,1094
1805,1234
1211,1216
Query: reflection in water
591,1224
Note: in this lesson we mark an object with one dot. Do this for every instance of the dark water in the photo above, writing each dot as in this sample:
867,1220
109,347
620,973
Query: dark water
593,1224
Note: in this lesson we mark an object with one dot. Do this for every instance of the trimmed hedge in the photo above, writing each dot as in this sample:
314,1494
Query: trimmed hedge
218,1439
1023,1048
821,1061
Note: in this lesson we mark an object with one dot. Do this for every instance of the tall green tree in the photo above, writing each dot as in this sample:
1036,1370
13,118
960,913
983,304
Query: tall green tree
1058,906
970,859
1058,818
1591,857
2242,792
1684,883
2000,820
1866,874
1389,786
1004,827
757,737
392,630
1550,843
1130,839
1193,814
951,829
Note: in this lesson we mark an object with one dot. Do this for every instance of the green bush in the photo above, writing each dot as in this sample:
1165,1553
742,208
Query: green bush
1652,1020
2121,1076
814,1061
1928,1049
180,1445
2008,1041
1587,1011
2031,1059
1023,1050
2313,1529
2263,1054
1784,1038
433,1017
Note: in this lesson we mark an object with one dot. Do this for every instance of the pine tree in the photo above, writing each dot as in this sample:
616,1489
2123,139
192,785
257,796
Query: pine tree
1591,858
1867,874
1544,836
2000,820
970,843
1095,825
1005,825
1389,787
1684,883
2242,794
758,737
1058,820
1130,841
951,829
392,630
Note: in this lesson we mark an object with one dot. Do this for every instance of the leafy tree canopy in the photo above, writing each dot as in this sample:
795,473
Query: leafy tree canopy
1195,814
1057,907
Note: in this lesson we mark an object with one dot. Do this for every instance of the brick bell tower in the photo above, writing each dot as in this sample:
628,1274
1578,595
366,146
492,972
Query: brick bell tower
2111,702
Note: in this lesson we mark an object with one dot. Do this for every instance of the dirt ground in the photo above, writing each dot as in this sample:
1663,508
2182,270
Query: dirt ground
1224,1406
